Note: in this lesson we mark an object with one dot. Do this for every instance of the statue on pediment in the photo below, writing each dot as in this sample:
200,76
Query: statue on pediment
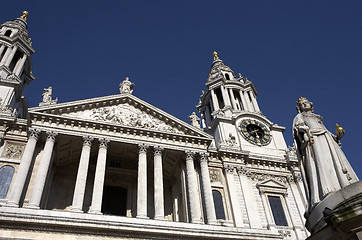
126,86
47,97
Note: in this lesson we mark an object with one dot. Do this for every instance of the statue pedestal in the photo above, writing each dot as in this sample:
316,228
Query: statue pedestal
338,216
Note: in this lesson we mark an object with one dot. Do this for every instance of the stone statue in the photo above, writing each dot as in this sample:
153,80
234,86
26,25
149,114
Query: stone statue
324,167
47,97
126,86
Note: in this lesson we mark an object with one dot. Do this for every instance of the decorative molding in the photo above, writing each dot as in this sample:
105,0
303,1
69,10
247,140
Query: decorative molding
87,140
229,168
51,135
189,155
158,150
214,176
204,156
103,142
284,233
13,151
142,148
34,133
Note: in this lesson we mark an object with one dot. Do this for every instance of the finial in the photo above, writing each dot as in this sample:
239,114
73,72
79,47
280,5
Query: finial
301,99
215,55
339,131
25,15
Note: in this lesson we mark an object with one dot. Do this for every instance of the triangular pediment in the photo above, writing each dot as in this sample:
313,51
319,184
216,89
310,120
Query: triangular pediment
271,183
124,110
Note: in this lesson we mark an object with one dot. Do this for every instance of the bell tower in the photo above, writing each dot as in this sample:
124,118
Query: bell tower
230,112
15,66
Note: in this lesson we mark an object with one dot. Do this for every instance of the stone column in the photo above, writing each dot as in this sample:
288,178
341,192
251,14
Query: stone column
243,101
215,102
158,184
23,171
142,181
20,65
225,96
2,47
255,103
234,198
192,188
11,56
248,102
5,57
250,199
81,181
96,206
206,183
42,171
233,104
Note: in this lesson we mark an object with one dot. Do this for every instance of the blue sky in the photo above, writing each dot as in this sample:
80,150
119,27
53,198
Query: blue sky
288,49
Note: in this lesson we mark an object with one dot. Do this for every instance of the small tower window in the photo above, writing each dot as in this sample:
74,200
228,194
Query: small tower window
219,98
227,76
15,60
8,33
6,175
219,206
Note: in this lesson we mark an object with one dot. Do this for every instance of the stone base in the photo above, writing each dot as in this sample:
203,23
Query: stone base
338,216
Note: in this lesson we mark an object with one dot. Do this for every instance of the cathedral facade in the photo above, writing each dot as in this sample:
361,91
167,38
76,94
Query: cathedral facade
116,167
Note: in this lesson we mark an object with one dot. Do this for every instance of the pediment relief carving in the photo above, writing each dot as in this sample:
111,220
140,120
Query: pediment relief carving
126,115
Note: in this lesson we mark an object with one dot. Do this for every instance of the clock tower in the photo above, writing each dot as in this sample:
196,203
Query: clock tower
230,112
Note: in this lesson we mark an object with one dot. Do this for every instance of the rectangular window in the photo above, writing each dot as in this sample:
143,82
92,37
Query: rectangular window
278,211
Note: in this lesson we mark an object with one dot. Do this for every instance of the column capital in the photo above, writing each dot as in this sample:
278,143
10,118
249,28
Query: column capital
229,168
204,156
158,150
87,140
34,133
142,148
51,135
103,142
189,155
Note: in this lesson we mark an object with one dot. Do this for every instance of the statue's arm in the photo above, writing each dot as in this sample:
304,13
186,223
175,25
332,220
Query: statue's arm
301,131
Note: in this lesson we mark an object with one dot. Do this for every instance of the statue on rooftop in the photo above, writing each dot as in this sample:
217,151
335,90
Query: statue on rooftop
324,167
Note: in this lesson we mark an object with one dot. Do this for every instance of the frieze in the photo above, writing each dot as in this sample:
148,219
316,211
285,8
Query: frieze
126,115
264,176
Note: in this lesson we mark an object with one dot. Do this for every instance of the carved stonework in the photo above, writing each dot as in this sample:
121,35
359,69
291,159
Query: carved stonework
194,119
204,156
263,176
157,150
47,97
229,168
34,133
51,135
127,115
297,176
13,151
189,155
126,86
142,148
214,176
285,233
103,142
87,140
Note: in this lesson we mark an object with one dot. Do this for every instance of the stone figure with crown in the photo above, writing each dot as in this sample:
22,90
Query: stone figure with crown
324,166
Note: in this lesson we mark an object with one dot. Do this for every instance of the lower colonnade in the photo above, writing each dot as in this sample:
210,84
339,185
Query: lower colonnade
192,189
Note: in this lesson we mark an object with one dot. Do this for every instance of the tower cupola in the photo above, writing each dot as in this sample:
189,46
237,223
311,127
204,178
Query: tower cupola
15,65
227,95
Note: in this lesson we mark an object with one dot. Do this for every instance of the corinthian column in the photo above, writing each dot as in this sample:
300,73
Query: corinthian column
158,181
80,184
96,206
42,171
23,171
142,181
192,188
209,201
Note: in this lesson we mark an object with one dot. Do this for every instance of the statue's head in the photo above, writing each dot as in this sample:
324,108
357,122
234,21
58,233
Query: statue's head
303,105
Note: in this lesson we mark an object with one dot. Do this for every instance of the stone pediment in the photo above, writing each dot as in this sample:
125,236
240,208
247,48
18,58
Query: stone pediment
271,183
122,109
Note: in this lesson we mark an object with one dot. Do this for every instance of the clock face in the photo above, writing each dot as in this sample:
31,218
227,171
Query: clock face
255,132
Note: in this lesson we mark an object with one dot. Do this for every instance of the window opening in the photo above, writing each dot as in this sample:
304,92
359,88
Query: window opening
114,201
3,53
8,33
227,76
219,206
220,100
6,175
277,210
16,58
239,104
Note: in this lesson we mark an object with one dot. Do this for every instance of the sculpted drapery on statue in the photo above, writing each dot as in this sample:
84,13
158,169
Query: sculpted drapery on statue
325,168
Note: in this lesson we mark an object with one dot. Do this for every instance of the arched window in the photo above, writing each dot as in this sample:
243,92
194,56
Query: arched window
219,206
8,33
6,175
227,76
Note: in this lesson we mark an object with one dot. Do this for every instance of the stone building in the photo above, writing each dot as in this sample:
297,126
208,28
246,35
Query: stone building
118,167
